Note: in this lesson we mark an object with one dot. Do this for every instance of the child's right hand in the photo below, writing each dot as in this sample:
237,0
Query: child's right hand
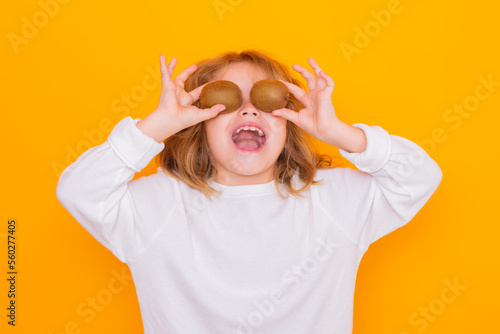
175,110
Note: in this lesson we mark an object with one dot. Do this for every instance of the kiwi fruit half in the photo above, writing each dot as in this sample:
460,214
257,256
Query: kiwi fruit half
221,91
269,94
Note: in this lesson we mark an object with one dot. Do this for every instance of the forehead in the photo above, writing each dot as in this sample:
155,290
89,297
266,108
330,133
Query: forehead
241,73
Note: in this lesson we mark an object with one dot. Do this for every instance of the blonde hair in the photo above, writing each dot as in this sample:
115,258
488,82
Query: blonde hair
186,155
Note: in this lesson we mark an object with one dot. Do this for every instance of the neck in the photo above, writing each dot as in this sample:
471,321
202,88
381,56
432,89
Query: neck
232,179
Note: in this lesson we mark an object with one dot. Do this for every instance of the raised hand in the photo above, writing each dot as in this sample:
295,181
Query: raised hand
175,110
318,118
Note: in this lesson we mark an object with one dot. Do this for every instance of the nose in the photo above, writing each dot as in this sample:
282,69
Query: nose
248,109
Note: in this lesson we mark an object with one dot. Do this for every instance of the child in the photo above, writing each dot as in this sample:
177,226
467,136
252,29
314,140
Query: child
233,234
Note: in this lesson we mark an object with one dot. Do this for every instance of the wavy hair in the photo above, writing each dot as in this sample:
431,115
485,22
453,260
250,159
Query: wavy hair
186,155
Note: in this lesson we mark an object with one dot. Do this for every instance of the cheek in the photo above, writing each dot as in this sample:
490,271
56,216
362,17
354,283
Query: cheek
215,139
283,137
216,127
278,126
279,131
211,129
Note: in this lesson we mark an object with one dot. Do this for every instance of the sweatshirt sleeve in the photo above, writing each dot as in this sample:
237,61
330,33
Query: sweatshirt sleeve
95,189
395,178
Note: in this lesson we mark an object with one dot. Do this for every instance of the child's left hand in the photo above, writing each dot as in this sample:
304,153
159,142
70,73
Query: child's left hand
318,117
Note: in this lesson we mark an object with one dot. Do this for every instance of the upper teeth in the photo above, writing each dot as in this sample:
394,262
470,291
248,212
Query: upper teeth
251,128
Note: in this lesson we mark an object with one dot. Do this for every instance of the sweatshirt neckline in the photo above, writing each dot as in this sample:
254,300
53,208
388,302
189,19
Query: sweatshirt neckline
243,190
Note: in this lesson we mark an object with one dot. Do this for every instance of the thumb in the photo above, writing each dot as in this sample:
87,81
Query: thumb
287,114
213,111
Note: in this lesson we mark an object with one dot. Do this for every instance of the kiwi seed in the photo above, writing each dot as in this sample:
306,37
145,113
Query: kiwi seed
221,91
269,94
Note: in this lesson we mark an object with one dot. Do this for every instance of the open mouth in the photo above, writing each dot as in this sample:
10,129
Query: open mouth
249,138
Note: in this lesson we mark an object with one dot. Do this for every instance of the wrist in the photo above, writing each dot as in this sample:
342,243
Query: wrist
155,125
347,137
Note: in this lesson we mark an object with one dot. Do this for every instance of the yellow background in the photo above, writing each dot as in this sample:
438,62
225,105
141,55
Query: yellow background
66,80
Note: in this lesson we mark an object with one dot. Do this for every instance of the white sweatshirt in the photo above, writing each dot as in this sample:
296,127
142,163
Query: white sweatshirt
246,261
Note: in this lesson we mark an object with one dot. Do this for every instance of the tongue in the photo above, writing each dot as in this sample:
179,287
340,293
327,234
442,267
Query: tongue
249,145
247,140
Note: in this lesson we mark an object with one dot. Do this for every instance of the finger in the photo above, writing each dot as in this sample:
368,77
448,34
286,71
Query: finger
329,82
211,112
217,108
311,80
163,68
171,66
315,66
195,93
298,92
317,70
184,75
287,114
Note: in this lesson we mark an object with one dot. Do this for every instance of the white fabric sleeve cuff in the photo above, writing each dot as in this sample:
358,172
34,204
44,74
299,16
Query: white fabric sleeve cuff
377,152
132,146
